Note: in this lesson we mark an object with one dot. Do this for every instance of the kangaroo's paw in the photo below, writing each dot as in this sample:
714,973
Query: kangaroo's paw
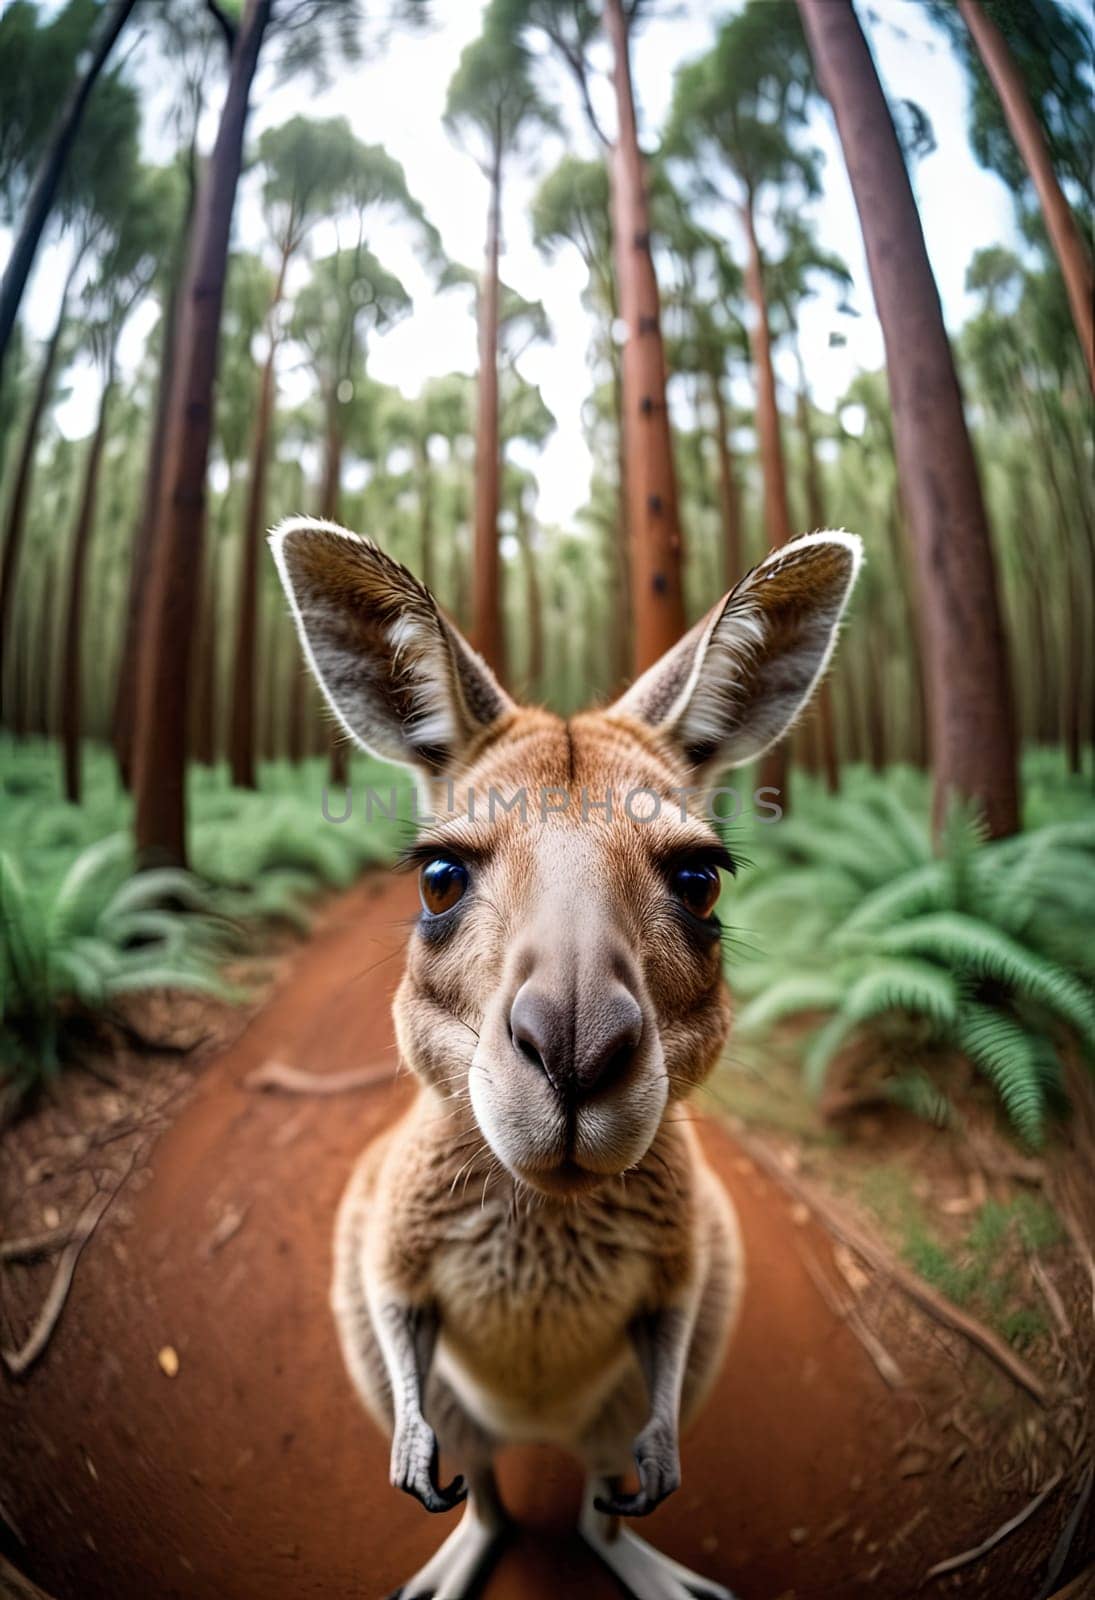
462,1562
645,1573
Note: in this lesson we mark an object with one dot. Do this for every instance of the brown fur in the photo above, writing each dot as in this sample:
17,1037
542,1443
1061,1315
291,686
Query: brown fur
537,1251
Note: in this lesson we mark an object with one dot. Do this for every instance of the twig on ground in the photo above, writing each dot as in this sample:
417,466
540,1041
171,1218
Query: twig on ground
291,1080
964,1558
32,1245
1080,1586
1068,1533
846,1309
1052,1297
19,1361
876,1254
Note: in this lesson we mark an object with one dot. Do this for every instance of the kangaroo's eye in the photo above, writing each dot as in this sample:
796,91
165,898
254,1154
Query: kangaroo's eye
442,884
697,887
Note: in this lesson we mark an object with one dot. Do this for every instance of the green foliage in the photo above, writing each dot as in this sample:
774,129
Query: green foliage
71,948
987,949
983,1269
81,931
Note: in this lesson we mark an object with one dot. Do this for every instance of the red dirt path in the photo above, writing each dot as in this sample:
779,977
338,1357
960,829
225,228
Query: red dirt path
253,1474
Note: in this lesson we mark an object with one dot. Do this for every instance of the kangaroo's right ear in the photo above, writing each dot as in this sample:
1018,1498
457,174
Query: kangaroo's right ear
401,680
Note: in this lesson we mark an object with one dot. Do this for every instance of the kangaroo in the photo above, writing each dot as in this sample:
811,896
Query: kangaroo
537,1251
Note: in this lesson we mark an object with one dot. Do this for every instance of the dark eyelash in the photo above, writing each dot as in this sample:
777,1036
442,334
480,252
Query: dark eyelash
715,855
422,852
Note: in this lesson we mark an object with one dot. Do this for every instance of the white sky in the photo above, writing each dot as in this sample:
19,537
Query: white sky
398,100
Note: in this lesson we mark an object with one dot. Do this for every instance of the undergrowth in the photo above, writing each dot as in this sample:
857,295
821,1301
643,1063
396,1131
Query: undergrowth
80,930
986,949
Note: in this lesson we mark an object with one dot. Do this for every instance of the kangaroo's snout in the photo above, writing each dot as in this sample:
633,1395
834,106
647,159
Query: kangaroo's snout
583,1039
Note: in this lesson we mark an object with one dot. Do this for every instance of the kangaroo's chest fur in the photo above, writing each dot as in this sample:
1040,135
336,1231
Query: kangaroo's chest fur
535,1297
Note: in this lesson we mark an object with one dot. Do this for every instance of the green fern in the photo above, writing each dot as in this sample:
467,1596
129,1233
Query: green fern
988,948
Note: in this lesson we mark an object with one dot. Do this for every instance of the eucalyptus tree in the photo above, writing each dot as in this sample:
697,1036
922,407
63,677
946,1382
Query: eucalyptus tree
303,33
735,115
308,168
493,108
94,195
442,411
572,209
348,296
737,119
1032,119
573,29
125,273
704,308
85,69
190,40
970,700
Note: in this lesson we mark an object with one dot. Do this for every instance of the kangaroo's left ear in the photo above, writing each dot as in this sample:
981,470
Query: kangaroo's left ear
400,678
736,682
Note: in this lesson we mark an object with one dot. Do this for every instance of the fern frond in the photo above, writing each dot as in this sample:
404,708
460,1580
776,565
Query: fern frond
1005,1052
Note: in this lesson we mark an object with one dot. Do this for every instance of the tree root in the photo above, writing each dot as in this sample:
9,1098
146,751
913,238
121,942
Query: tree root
966,1556
21,1360
291,1080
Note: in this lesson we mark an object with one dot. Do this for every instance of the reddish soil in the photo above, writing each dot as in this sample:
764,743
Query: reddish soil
253,1474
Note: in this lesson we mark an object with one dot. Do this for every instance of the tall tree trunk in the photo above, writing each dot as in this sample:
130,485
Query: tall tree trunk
70,709
777,514
729,488
241,736
425,513
488,633
970,694
774,765
657,594
41,708
24,473
44,188
1065,237
175,580
144,537
534,610
203,700
818,519
338,759
622,622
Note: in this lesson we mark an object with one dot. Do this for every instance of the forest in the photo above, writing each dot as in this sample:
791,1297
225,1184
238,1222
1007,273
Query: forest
207,273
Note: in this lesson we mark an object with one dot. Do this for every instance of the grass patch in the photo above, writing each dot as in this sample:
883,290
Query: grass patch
983,1269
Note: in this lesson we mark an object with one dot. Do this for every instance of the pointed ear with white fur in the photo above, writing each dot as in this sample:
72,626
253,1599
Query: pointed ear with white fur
401,680
736,682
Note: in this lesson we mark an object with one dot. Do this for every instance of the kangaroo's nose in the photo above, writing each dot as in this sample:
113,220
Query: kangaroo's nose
579,1044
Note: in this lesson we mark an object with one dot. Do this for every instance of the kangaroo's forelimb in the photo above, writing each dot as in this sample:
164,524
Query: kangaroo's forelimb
408,1337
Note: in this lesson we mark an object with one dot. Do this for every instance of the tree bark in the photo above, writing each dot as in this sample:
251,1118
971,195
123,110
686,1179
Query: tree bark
330,509
241,736
1065,237
774,765
970,694
818,519
622,623
24,476
70,708
777,514
144,539
652,510
425,513
534,611
169,625
41,706
729,489
203,719
44,188
488,633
